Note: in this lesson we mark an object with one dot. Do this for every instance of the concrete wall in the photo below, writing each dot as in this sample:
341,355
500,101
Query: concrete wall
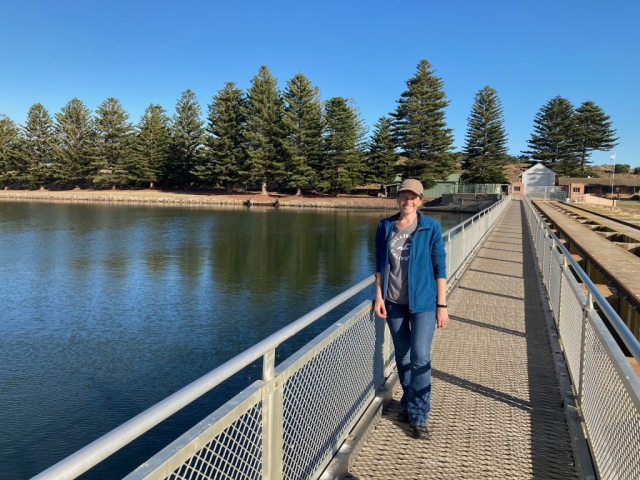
517,190
576,192
599,201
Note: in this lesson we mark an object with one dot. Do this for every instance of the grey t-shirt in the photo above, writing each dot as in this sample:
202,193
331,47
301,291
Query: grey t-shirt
399,250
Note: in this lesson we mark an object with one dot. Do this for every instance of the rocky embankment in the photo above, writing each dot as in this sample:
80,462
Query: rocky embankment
161,198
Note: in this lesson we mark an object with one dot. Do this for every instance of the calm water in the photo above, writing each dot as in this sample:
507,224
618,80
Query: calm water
108,309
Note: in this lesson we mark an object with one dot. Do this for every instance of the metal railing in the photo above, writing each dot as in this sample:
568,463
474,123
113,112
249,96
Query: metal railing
290,423
463,240
484,188
606,387
546,193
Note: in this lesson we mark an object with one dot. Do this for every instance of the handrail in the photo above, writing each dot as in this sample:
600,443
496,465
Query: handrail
472,219
620,327
98,450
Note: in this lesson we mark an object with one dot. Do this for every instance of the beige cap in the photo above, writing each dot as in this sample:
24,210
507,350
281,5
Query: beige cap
413,186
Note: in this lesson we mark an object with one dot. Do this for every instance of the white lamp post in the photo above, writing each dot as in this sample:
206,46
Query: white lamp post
613,174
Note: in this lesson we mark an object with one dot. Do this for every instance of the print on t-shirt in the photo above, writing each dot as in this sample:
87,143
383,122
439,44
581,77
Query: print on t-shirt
399,252
400,246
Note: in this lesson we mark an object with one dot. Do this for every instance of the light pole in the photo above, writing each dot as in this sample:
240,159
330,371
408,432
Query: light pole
613,174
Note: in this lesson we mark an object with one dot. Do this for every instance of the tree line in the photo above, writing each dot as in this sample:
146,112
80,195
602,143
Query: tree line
564,137
269,138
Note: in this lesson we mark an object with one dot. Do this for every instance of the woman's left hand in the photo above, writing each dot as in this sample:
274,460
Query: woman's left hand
442,317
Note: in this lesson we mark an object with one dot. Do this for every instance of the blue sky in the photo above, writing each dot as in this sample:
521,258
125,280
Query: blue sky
149,52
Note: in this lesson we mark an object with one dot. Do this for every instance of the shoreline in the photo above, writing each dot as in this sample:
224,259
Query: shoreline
151,197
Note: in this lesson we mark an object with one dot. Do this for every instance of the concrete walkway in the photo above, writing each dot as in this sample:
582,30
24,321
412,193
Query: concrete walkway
496,405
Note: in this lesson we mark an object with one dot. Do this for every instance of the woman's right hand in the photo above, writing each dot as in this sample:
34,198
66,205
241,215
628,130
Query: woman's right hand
380,308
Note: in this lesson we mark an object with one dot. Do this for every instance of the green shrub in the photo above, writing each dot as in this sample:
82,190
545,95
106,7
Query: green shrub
591,173
636,171
623,168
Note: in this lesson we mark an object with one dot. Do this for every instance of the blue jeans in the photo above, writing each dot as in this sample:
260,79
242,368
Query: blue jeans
412,335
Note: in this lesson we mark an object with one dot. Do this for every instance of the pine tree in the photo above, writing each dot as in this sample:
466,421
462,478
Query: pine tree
12,166
420,129
486,142
553,140
380,164
151,146
225,142
303,131
593,132
187,136
342,147
115,144
264,131
39,143
75,149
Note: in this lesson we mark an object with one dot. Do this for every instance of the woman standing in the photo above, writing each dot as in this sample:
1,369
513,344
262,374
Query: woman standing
411,293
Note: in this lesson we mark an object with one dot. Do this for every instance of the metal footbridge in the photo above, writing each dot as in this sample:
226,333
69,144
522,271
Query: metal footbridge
528,382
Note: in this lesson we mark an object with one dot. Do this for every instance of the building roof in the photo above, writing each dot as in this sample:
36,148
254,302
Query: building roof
453,178
619,181
369,186
537,166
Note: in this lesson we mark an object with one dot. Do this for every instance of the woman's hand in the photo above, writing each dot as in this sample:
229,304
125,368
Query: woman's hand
379,308
442,317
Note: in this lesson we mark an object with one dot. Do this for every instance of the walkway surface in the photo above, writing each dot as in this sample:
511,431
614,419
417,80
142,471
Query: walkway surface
496,404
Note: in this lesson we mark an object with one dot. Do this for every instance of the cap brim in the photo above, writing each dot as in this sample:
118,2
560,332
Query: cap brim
410,190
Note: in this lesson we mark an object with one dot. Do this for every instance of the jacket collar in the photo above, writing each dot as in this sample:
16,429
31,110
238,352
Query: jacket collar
422,220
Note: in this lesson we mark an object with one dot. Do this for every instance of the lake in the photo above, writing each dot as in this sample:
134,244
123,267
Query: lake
108,309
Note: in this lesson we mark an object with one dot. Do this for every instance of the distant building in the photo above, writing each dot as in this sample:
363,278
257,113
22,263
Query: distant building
449,185
623,187
537,181
370,189
538,176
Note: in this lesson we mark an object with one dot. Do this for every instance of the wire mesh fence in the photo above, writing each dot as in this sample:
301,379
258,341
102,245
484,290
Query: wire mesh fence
606,387
546,193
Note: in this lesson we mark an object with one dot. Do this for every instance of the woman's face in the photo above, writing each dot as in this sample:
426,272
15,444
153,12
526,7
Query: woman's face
408,202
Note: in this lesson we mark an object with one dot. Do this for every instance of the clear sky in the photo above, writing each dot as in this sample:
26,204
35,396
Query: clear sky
143,52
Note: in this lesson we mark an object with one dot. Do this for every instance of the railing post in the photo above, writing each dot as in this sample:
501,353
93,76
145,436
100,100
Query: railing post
544,245
540,250
448,250
562,270
387,368
583,341
464,244
272,419
551,247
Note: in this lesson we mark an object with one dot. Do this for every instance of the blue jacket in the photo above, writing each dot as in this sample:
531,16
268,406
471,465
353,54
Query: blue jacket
427,261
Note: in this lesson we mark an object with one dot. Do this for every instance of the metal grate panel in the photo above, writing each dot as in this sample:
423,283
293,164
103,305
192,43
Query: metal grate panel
546,259
612,419
235,453
457,253
571,323
391,359
324,396
535,232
